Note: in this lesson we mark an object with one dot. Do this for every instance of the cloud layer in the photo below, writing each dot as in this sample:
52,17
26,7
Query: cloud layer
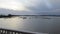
35,6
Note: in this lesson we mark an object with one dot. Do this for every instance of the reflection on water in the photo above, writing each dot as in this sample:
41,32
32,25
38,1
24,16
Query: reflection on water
43,24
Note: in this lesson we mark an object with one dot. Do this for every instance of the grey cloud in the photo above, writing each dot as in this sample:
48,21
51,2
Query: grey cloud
43,7
39,6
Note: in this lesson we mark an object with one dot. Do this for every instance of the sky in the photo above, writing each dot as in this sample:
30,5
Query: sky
30,6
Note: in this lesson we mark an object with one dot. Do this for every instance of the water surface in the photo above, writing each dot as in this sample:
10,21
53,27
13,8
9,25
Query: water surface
43,24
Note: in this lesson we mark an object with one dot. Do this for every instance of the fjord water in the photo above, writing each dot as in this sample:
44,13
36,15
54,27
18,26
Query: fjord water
43,24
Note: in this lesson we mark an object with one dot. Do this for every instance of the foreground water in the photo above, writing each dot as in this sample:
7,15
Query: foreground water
43,24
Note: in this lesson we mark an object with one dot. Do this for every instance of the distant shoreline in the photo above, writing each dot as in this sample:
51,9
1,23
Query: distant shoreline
3,16
36,15
29,15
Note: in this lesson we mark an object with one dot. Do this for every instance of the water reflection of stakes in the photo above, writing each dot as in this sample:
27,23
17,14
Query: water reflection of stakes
24,17
29,17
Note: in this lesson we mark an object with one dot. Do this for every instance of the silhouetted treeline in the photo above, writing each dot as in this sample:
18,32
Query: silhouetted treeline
9,15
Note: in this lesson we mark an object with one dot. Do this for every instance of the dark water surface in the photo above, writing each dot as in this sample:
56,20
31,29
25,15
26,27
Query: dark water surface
43,24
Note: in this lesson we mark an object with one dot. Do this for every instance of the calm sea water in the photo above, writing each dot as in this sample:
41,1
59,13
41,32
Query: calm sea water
43,24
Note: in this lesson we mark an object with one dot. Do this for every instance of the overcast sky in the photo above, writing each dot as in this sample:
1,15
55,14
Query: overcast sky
34,6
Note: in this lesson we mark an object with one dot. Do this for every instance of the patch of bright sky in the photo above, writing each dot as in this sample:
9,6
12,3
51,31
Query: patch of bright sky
18,4
23,4
12,4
